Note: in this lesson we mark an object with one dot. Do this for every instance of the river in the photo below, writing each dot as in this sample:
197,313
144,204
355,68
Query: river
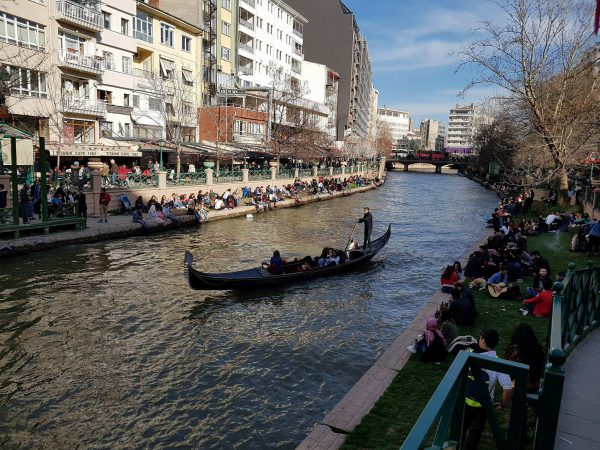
105,346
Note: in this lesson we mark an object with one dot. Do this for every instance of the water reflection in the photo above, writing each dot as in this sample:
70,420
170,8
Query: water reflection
106,346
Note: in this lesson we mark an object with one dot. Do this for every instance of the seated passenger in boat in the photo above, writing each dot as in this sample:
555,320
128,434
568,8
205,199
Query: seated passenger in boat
276,263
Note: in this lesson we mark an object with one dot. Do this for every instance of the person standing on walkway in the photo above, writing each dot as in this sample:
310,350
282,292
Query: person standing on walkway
25,203
104,202
367,219
82,204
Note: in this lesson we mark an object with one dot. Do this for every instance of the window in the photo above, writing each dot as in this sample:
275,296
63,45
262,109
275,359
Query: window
126,100
25,81
167,33
225,28
106,20
187,109
142,27
225,53
127,131
147,132
106,129
125,27
188,77
169,105
109,60
25,33
167,69
186,43
136,101
127,65
154,104
105,96
226,4
78,131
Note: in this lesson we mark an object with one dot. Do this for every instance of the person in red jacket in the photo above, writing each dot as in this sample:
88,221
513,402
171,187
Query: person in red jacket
541,304
104,202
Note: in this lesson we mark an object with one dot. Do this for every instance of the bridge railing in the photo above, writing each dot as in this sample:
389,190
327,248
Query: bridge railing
575,312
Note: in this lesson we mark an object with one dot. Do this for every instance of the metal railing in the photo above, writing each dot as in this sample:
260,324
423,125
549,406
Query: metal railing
246,24
297,51
337,170
72,183
80,61
79,14
443,415
246,70
225,176
78,105
305,173
185,178
246,47
131,180
296,68
258,175
323,171
286,173
298,33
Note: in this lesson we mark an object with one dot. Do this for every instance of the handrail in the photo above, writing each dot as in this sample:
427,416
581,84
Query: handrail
444,411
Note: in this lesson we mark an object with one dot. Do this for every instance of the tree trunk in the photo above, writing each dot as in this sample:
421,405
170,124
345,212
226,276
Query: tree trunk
562,187
178,153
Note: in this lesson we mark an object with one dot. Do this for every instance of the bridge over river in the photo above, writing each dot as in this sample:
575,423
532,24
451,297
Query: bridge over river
403,164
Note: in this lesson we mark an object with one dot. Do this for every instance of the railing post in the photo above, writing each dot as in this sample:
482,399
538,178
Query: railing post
315,171
162,179
296,173
14,180
273,174
245,175
43,180
209,177
96,188
550,399
331,171
344,165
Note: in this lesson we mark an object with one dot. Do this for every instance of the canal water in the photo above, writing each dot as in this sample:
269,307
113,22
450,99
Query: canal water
105,346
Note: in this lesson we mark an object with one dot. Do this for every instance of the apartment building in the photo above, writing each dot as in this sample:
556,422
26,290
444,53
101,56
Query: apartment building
374,113
462,126
333,38
118,47
167,75
431,132
322,85
398,122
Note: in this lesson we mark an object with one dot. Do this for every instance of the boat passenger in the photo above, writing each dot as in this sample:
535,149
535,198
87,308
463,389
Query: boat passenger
276,264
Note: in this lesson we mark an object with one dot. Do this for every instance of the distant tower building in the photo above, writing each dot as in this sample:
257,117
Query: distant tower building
431,131
462,126
397,121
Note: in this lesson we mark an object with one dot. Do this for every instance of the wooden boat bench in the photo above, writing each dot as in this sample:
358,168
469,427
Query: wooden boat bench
77,222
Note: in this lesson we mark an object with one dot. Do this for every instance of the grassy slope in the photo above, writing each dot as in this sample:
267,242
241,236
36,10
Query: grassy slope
395,413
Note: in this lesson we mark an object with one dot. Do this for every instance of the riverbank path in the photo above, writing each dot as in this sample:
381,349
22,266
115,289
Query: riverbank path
579,421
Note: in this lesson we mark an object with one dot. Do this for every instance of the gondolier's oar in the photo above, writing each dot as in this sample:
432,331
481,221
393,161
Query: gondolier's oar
350,238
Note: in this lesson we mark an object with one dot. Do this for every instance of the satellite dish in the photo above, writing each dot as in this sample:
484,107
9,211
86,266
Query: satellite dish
69,86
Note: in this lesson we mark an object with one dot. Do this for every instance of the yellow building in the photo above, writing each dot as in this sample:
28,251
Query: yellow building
168,75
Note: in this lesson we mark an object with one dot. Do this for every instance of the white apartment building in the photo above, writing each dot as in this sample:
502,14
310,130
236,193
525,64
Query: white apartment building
374,113
117,46
397,121
270,38
322,90
462,127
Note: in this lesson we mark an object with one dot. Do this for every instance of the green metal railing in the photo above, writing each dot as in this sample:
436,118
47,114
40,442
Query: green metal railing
337,170
286,173
444,412
225,176
305,173
141,181
187,178
258,175
323,172
575,312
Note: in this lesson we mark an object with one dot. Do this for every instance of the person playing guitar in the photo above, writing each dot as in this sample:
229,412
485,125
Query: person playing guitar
498,285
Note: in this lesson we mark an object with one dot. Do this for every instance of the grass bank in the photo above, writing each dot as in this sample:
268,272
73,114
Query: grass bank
395,413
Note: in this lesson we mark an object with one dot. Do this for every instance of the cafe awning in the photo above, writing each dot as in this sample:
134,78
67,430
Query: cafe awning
93,151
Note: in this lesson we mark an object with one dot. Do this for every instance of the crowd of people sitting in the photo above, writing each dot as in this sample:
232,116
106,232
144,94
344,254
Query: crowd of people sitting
261,197
498,266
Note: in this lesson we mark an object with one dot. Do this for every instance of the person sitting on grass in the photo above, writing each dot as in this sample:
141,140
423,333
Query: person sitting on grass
462,307
541,304
447,326
430,344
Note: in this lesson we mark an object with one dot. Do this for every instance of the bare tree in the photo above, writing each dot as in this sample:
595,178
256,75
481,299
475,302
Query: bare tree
383,140
542,57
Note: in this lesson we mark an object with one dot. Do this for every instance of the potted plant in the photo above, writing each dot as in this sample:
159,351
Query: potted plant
208,164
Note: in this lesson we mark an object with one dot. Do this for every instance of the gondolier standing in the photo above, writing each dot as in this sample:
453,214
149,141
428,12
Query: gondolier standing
367,219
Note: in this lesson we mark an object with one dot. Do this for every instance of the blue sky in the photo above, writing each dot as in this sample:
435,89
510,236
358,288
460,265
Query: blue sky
411,45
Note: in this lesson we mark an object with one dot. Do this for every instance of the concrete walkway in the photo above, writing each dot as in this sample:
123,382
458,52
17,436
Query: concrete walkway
122,226
579,421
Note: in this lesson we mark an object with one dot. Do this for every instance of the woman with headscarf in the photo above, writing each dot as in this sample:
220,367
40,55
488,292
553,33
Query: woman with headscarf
153,218
430,344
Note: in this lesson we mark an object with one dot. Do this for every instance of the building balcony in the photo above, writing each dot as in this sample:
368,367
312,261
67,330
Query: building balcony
246,24
246,70
246,48
79,61
298,33
76,105
297,69
297,51
82,16
251,3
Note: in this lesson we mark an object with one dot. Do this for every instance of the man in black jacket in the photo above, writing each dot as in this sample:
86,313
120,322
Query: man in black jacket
367,219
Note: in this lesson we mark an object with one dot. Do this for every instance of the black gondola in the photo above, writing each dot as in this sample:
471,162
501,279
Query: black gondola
261,277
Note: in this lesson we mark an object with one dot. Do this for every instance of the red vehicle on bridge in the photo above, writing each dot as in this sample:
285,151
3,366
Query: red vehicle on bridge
434,156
